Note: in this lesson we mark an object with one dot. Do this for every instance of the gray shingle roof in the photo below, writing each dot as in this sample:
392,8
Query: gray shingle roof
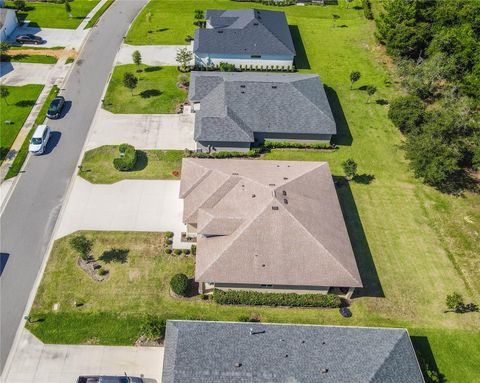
220,352
245,31
236,105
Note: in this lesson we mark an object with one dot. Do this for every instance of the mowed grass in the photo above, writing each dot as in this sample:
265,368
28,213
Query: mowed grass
156,92
97,165
32,59
53,15
15,108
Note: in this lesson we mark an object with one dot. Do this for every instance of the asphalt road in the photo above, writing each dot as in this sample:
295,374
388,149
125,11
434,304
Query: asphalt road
29,217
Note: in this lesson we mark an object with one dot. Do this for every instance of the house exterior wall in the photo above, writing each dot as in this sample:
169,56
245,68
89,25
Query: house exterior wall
205,59
223,146
9,26
293,137
269,288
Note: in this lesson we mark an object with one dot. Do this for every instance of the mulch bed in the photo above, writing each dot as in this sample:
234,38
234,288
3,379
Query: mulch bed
90,267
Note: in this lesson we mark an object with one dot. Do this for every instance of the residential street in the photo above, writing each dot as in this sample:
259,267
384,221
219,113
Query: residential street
31,213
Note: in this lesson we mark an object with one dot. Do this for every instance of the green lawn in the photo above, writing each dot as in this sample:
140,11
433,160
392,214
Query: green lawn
33,59
23,152
97,165
52,15
15,108
156,91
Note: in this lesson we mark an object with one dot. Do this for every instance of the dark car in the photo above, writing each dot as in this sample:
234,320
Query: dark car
29,39
56,106
345,312
109,379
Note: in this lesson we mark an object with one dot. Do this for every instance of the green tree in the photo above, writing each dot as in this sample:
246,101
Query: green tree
4,47
149,17
184,57
454,301
198,17
137,59
82,245
407,113
130,81
354,77
350,168
20,5
179,284
68,8
371,90
335,18
4,93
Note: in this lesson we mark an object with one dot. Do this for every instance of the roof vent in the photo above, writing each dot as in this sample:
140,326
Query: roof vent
271,184
284,192
263,265
234,174
253,195
274,207
255,24
274,87
242,92
324,370
285,201
238,365
220,31
286,355
242,86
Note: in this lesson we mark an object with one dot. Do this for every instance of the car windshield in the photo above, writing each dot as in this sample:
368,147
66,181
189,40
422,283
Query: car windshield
36,141
53,106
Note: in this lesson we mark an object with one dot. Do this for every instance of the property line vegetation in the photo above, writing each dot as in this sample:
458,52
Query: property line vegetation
436,46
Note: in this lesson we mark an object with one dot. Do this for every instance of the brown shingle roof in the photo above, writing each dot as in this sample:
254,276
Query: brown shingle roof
267,222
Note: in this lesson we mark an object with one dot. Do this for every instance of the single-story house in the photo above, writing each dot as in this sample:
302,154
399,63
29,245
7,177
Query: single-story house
229,352
246,37
8,23
270,226
236,110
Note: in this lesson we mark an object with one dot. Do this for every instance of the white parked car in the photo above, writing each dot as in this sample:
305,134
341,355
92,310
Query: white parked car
39,140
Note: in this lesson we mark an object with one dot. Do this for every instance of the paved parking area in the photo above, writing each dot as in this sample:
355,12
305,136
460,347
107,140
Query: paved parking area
151,54
144,131
53,37
129,205
35,362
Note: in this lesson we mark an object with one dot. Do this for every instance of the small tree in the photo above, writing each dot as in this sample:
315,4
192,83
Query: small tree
184,57
68,9
454,301
350,168
371,90
4,47
82,245
179,284
137,59
4,93
335,18
20,5
149,16
183,80
198,17
153,327
354,77
130,81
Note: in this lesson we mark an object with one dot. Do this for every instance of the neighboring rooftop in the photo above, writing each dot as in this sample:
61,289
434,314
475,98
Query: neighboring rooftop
234,106
270,222
246,32
221,352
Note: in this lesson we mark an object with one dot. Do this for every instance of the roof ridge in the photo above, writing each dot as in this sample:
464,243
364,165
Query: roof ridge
273,34
294,84
198,181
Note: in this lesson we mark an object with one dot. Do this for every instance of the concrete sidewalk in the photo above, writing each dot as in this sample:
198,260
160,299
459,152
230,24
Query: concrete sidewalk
35,362
151,54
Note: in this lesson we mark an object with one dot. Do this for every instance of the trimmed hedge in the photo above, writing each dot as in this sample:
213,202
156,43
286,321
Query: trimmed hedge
127,159
367,9
295,145
250,153
179,284
254,298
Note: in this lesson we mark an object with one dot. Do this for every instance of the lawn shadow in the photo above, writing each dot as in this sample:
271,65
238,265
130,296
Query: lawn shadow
25,103
150,93
381,101
142,161
52,142
426,360
3,261
365,179
368,272
343,136
115,255
3,152
301,58
162,29
152,68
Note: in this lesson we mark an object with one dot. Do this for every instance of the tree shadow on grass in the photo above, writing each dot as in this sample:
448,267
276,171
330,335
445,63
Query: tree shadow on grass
142,161
301,59
343,136
152,68
368,272
365,179
162,29
150,93
115,255
25,103
426,360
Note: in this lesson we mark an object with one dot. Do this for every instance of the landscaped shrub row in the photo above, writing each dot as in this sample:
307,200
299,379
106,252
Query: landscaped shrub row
250,153
296,145
251,67
233,297
367,9
127,159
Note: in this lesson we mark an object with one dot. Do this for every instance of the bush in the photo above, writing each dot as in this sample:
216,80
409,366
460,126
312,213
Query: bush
153,327
250,153
367,9
127,159
295,145
179,284
193,249
233,297
226,67
102,271
82,245
168,234
185,252
168,251
407,113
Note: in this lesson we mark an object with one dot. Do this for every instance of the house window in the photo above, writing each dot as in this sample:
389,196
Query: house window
266,286
256,56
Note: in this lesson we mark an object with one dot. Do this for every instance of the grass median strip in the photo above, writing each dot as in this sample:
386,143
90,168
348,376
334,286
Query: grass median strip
23,152
97,165
31,59
99,14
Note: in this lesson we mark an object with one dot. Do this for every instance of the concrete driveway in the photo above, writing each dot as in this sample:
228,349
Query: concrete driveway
53,37
129,205
18,74
35,362
144,131
151,54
